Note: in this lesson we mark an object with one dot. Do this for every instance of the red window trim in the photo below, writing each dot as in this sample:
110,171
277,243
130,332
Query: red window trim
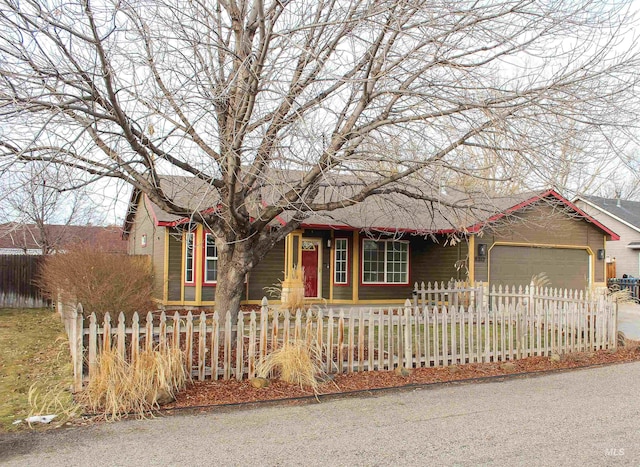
348,270
205,282
192,282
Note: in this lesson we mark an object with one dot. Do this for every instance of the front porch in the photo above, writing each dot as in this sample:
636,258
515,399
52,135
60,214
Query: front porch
347,267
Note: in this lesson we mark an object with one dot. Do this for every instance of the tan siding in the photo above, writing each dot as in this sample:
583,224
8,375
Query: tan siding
544,226
385,292
175,265
143,224
268,272
189,293
343,292
627,259
208,293
437,262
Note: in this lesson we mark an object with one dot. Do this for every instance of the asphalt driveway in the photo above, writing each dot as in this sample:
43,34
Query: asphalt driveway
629,320
584,417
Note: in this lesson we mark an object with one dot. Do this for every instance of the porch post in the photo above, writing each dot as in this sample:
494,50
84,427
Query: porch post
471,245
292,245
355,266
198,261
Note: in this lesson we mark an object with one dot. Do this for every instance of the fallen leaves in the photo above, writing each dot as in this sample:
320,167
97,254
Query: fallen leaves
205,393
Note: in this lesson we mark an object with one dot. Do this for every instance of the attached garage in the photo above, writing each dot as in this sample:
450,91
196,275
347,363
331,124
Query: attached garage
515,265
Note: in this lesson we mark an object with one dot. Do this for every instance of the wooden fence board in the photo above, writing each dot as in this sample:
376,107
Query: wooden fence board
202,345
215,345
18,277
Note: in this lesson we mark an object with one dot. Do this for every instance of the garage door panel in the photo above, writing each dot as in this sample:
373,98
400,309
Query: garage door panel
515,265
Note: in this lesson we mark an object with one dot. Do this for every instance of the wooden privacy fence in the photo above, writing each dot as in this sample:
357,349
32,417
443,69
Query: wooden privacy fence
17,282
349,341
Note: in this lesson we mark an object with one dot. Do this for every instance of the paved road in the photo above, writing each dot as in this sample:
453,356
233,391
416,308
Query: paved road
585,417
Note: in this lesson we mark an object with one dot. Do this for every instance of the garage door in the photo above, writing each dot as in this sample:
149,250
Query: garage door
515,265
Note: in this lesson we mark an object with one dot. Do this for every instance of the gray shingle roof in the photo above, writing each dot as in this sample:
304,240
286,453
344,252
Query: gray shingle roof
450,211
628,211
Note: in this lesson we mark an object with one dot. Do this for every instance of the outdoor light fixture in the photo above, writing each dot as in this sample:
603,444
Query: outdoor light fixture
328,243
601,253
482,250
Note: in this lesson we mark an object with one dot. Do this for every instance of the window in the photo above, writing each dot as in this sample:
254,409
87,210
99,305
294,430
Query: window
188,258
210,259
385,262
340,261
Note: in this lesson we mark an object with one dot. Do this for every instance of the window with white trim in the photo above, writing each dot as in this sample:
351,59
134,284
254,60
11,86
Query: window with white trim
210,259
188,257
341,254
385,262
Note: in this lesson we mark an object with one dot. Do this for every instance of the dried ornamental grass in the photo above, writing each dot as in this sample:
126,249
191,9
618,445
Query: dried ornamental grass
619,295
293,300
298,362
118,387
56,400
540,280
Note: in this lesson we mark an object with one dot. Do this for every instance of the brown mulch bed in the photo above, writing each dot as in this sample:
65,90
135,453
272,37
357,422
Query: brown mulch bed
208,393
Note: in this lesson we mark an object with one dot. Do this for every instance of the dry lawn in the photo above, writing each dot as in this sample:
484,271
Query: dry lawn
33,349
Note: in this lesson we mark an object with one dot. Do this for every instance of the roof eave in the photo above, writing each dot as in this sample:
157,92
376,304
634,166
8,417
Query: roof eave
604,211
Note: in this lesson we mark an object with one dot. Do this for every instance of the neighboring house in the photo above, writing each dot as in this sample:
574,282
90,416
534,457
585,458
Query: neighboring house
622,216
374,251
27,239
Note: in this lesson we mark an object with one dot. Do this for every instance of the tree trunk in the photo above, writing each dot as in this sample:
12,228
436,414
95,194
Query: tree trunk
232,268
236,258
230,289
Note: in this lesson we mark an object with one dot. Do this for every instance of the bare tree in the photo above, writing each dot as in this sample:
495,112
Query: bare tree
235,92
38,207
580,163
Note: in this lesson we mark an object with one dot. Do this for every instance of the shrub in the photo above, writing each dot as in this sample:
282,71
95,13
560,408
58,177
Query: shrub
118,388
99,280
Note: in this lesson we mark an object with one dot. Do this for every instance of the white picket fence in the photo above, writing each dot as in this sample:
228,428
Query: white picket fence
350,340
453,293
460,293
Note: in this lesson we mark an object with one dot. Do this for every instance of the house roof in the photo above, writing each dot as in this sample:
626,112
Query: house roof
447,212
25,237
622,210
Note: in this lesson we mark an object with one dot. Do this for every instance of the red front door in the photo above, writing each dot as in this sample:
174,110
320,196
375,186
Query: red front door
310,265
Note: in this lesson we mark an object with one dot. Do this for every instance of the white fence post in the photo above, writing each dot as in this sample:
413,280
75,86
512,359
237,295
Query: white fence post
75,341
614,307
532,288
408,345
